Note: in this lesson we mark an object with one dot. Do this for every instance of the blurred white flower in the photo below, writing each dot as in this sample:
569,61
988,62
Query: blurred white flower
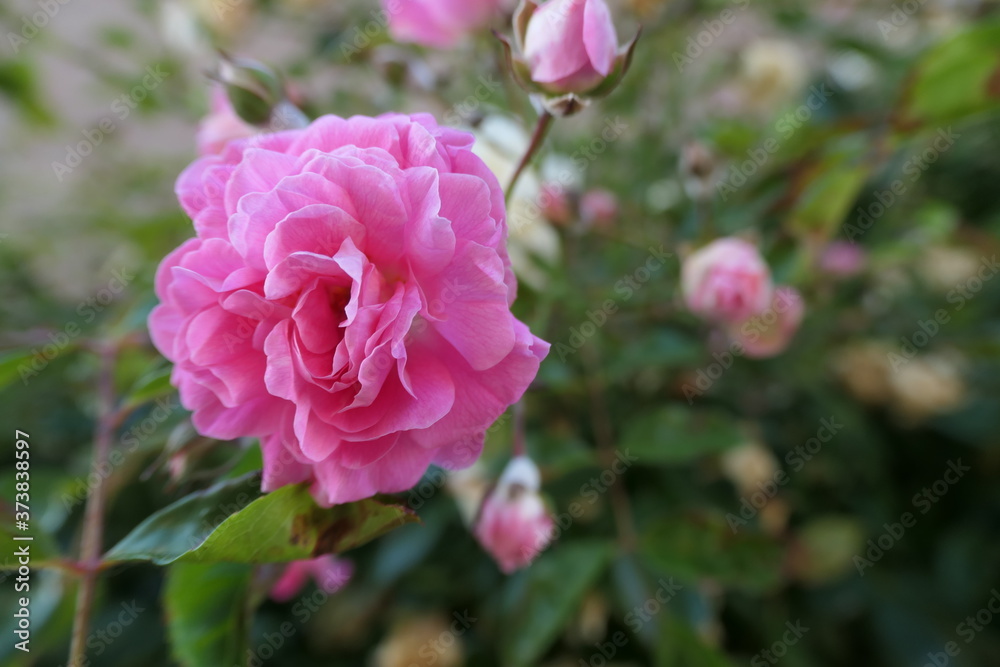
928,385
749,464
772,73
533,243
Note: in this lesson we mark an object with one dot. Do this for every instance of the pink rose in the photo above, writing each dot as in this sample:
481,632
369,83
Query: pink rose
221,125
768,333
330,574
438,23
726,281
346,300
598,207
570,45
513,525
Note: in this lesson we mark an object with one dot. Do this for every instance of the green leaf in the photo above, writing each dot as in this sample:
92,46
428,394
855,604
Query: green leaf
677,434
826,548
171,532
232,522
953,81
547,596
41,547
10,364
149,387
827,189
288,525
703,546
208,613
680,646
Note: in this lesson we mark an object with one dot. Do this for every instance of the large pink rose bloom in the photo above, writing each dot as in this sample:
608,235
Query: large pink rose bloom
570,45
438,23
346,300
726,281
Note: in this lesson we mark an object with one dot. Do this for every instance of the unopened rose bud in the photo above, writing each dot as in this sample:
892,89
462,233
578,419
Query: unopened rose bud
598,207
570,45
513,525
555,204
330,574
257,95
567,52
726,281
221,125
768,333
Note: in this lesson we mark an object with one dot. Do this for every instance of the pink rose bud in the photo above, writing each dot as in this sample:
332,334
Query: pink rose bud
599,207
555,204
726,281
513,525
438,23
221,125
842,259
767,334
570,45
566,52
330,574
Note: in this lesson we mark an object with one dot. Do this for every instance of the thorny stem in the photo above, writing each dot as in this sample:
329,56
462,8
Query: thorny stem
537,139
93,522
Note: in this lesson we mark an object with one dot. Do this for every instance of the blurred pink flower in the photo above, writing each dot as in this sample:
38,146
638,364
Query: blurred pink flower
726,281
768,333
438,23
570,45
329,572
346,300
843,259
599,207
221,125
554,201
513,525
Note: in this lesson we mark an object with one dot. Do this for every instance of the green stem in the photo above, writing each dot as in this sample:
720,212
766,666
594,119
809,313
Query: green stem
537,139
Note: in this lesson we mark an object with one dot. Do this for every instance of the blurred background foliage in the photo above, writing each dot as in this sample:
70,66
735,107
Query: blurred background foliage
739,509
